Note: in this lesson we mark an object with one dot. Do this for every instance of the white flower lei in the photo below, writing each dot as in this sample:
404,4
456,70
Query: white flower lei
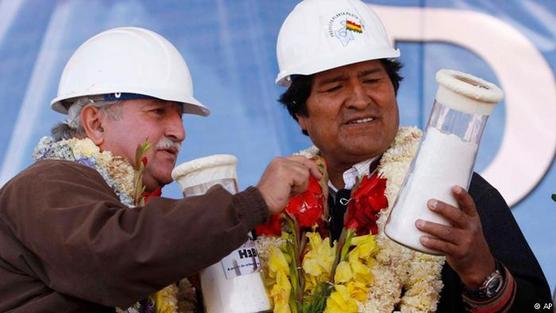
118,173
398,268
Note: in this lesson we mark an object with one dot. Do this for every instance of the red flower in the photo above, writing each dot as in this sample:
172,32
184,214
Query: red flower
307,207
271,228
367,200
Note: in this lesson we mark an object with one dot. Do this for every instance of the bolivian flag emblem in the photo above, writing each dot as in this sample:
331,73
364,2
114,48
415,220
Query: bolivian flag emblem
353,26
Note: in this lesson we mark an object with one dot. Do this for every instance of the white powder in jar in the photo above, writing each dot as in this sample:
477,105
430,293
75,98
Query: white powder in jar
443,160
241,294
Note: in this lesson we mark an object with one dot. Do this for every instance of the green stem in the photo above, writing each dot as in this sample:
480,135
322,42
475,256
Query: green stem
296,275
300,272
344,242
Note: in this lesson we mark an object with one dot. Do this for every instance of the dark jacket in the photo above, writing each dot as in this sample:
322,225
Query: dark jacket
506,243
508,246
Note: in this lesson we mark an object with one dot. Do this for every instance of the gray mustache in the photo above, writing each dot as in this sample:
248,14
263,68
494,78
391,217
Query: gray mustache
167,143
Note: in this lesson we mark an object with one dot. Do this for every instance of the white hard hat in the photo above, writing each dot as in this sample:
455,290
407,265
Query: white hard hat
128,63
319,35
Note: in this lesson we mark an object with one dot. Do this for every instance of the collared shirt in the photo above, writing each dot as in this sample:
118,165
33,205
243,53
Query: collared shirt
338,199
351,174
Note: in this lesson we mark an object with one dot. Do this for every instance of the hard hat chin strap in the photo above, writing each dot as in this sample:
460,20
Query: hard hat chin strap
118,96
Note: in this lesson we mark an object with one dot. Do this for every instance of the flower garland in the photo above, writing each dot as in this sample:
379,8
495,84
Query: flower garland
125,180
317,276
400,279
115,170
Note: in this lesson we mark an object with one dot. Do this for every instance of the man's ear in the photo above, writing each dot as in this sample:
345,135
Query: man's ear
92,122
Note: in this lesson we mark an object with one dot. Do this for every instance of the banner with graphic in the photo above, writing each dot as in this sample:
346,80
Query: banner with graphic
230,49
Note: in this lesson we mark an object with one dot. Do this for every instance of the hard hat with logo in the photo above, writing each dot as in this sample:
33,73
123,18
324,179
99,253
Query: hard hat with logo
319,35
128,63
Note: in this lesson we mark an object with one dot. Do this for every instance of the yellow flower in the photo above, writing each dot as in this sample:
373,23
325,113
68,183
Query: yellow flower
165,300
277,262
280,293
361,272
365,247
317,262
343,273
361,259
340,301
278,267
320,256
357,290
310,283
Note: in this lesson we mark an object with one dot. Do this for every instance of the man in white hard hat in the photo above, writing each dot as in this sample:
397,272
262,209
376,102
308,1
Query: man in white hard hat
339,66
75,234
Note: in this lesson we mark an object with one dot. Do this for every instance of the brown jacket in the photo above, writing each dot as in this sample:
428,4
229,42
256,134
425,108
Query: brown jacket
68,245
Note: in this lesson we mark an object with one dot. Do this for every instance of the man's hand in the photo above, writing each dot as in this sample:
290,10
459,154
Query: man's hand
285,177
462,242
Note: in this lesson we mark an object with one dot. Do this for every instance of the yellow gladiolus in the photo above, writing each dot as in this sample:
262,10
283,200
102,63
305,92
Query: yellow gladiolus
280,293
317,262
340,301
320,255
278,269
277,262
361,272
312,267
165,299
343,273
357,290
365,247
310,283
365,239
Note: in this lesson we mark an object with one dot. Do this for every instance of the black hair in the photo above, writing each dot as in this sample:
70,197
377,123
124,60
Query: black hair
295,97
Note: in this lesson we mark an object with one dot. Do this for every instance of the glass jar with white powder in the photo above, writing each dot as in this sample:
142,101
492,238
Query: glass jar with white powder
446,155
234,284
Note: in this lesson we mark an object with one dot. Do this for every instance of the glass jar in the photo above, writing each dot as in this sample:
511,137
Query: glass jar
234,284
446,155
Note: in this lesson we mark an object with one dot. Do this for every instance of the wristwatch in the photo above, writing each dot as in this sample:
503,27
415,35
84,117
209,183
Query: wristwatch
490,287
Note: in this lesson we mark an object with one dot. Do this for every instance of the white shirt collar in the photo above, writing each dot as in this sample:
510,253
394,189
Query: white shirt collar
351,174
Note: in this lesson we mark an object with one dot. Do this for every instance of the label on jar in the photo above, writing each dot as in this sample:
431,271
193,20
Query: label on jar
242,261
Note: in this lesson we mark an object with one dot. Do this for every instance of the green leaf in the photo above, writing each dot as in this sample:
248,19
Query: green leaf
554,196
316,303
140,152
138,175
347,244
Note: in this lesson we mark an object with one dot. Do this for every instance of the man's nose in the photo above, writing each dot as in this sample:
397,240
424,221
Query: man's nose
175,128
358,97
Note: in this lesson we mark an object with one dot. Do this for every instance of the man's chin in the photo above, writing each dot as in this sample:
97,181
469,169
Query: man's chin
152,182
163,181
358,153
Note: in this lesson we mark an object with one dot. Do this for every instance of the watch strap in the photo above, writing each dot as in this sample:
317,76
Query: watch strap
500,302
491,285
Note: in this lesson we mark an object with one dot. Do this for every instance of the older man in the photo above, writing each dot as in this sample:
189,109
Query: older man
342,78
75,235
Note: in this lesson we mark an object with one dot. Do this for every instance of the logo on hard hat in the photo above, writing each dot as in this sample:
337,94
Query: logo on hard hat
345,26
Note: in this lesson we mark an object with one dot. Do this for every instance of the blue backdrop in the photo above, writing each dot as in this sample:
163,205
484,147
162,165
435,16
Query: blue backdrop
230,48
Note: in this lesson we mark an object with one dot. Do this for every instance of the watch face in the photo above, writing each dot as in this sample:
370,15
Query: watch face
493,285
